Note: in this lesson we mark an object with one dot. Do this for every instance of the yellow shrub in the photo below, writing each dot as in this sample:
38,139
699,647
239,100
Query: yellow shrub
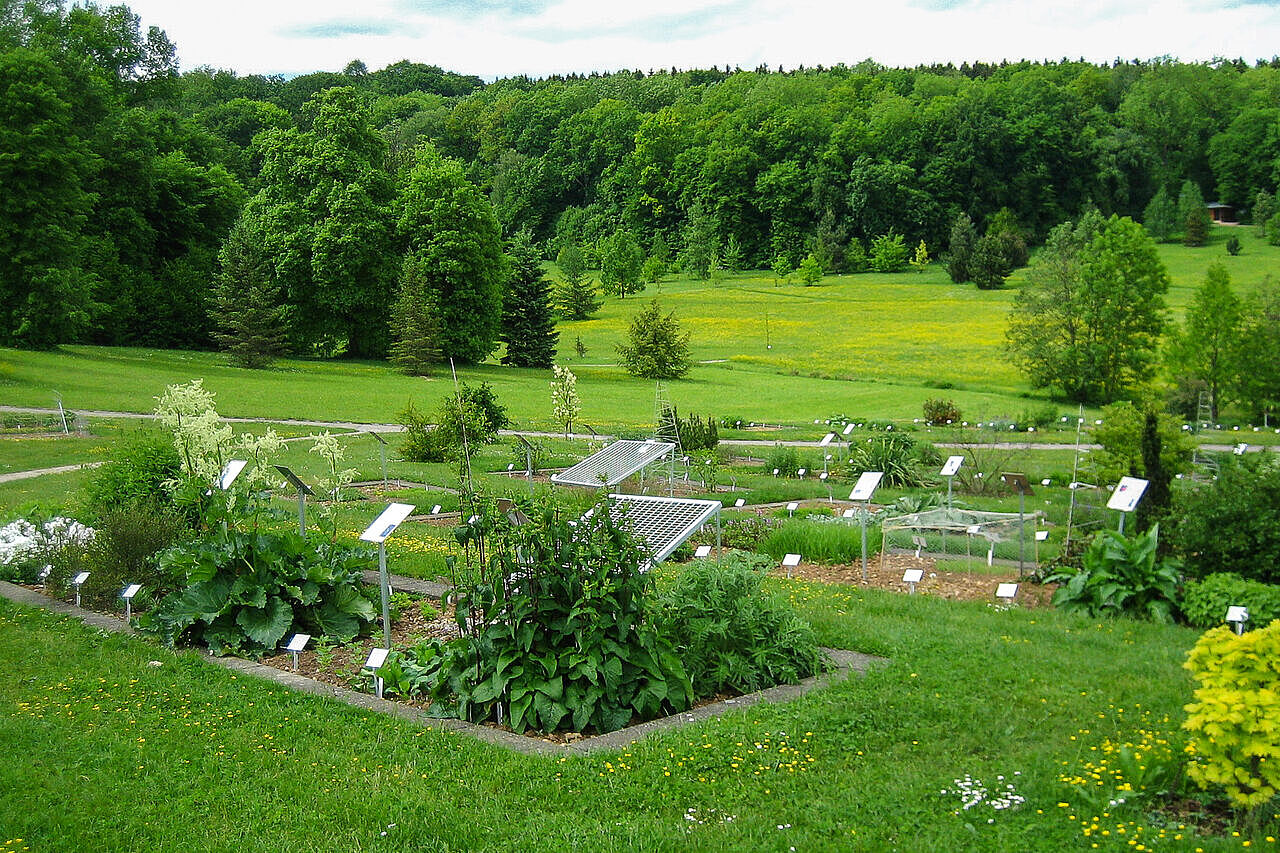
1235,720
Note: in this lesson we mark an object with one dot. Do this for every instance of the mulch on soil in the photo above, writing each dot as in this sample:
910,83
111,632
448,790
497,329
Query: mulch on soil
955,586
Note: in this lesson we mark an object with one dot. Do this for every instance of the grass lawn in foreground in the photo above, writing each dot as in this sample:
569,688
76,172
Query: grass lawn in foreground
114,743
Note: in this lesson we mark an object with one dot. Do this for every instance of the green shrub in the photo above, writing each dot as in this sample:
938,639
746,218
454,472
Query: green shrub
730,634
123,552
1120,576
1236,713
1232,524
1205,602
941,412
784,459
889,253
1041,417
143,462
1273,230
243,592
1233,245
834,541
693,433
554,627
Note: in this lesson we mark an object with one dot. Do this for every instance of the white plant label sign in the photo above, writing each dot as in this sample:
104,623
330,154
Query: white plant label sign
386,523
1127,494
866,485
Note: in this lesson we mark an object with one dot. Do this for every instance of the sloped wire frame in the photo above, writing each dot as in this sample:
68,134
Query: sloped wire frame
663,524
610,465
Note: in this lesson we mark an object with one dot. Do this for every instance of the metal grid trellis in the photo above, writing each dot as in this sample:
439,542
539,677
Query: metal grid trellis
613,464
662,524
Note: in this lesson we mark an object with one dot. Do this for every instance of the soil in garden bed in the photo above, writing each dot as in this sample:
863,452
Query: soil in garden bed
956,586
341,666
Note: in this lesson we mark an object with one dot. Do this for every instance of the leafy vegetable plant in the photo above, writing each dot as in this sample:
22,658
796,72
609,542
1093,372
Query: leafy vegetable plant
243,592
1120,575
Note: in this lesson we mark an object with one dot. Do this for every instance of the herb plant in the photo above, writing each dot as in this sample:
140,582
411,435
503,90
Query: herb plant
1120,576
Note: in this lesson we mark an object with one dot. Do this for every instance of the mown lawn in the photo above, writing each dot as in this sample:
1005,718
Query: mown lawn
113,743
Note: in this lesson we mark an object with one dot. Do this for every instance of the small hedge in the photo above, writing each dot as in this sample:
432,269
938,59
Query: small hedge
1205,602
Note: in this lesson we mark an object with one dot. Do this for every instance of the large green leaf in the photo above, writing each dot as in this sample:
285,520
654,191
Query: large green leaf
203,601
266,625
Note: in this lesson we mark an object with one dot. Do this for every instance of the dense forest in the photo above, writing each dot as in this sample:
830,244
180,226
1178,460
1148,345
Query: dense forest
139,198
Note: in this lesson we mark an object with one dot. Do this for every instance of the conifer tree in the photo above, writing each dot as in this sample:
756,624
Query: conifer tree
246,305
415,325
528,326
964,239
920,260
1193,215
1161,217
576,296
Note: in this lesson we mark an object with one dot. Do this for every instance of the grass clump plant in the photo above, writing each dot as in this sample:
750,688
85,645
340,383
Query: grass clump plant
832,541
730,633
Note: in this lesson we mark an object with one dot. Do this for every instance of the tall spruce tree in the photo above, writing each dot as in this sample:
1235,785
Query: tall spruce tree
959,259
246,302
1193,215
415,324
528,327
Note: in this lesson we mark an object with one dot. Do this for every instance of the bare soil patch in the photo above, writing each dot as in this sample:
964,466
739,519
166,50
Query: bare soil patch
955,586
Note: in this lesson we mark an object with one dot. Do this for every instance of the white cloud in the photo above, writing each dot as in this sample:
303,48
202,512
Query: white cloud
558,36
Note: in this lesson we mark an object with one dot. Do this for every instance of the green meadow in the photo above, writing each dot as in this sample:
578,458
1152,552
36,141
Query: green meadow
865,346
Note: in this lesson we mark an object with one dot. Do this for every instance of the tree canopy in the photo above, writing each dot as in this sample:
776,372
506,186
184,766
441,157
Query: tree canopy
1090,318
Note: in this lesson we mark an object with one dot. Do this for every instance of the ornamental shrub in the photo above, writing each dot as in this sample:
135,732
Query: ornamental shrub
941,412
1205,602
889,253
1236,713
730,633
1232,524
144,461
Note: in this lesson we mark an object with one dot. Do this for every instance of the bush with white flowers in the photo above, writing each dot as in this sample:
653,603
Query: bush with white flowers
26,548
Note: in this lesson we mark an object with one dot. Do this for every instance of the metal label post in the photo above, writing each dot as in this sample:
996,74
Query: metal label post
381,528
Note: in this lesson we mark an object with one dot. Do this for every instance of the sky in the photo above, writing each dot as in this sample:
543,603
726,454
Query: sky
501,38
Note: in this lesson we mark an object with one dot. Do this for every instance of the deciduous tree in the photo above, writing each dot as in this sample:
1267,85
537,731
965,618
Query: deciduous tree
1089,320
449,228
1204,347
